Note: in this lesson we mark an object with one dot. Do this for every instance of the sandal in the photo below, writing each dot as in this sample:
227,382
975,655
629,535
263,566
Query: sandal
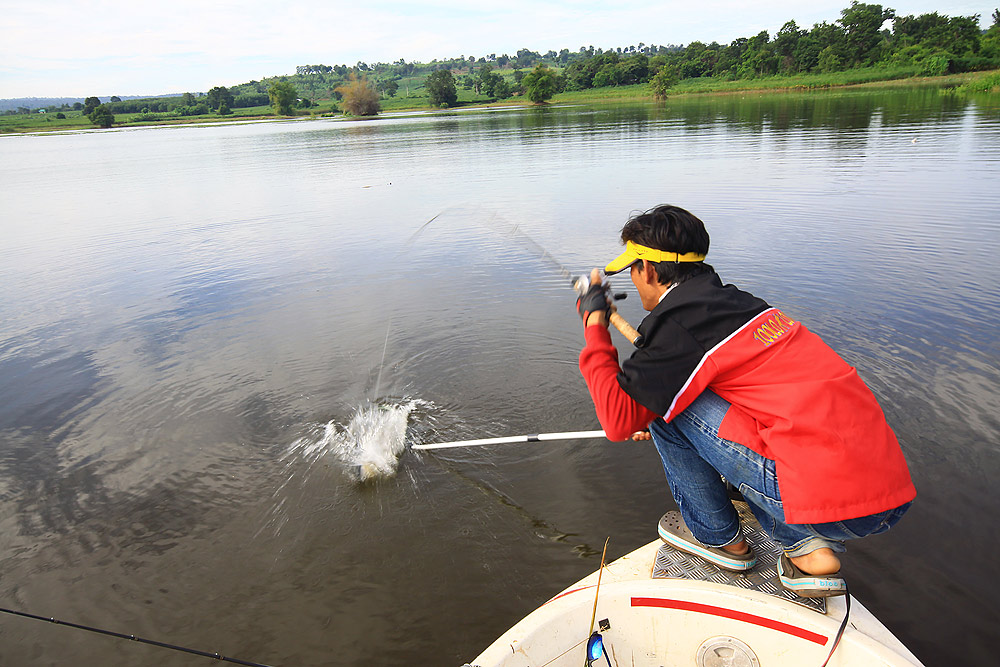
675,532
809,585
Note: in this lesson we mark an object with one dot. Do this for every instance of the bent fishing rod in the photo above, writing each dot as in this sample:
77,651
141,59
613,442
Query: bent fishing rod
580,285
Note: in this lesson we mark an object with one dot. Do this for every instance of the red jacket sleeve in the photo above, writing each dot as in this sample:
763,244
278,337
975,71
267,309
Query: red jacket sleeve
620,415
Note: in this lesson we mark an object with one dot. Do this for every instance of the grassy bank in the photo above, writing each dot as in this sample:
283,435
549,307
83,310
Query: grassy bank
413,97
867,78
75,120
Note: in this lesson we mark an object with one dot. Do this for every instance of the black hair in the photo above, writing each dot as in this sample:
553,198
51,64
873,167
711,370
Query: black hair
672,229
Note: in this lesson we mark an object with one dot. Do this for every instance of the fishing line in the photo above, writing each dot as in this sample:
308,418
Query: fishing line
843,625
422,228
385,346
513,230
581,284
540,527
119,635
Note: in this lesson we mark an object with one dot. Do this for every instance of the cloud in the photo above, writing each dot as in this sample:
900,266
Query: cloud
68,47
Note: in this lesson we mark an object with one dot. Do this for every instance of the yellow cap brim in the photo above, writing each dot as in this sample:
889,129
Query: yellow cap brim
634,252
621,262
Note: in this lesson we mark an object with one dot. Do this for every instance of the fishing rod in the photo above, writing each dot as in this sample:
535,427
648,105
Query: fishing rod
579,284
595,642
119,635
582,284
534,437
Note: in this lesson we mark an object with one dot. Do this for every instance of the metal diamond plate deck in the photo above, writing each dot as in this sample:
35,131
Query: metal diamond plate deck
673,564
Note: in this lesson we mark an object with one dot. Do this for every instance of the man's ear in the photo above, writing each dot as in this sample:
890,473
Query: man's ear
649,273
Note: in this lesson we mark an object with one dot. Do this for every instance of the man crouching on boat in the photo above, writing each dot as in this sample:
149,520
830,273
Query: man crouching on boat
725,384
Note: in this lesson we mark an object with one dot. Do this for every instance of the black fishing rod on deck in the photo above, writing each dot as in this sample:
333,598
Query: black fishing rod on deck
119,635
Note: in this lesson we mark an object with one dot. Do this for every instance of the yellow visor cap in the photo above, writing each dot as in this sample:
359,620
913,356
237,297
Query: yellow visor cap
634,252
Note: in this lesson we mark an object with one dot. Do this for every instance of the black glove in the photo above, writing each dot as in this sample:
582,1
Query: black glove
595,300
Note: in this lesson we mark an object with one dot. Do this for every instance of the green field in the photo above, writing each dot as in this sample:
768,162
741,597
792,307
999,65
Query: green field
412,96
869,77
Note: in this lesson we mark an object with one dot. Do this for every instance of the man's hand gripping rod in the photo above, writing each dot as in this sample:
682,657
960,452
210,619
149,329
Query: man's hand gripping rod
582,284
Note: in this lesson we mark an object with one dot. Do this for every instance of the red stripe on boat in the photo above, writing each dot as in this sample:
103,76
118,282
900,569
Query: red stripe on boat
565,593
730,613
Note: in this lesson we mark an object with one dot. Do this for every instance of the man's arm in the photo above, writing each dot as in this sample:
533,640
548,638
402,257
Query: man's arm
620,415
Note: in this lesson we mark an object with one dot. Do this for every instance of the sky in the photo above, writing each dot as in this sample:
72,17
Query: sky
69,48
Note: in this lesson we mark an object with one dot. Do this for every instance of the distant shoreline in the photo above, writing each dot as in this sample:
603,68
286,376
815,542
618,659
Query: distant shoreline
692,88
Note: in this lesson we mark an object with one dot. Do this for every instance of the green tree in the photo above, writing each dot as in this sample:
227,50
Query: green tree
785,45
90,104
389,87
635,69
807,53
359,96
188,99
483,80
829,61
863,25
527,58
828,35
991,39
495,85
758,59
699,60
219,96
502,89
441,88
665,79
540,84
101,116
492,84
282,95
608,75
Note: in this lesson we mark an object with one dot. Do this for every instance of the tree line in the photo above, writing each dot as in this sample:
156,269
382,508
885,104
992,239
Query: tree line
928,44
865,35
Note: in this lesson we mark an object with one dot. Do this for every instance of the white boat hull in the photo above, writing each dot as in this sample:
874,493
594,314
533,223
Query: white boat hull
661,622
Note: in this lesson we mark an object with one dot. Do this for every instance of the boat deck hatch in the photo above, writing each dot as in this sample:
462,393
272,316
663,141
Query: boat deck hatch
673,564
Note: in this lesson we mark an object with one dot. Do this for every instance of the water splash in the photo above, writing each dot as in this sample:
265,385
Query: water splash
370,444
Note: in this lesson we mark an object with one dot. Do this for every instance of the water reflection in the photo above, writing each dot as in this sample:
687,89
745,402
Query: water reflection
252,284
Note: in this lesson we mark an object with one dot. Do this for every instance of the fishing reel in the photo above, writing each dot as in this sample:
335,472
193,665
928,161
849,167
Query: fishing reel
582,284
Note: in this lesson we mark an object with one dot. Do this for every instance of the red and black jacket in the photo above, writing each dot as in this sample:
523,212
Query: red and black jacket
794,400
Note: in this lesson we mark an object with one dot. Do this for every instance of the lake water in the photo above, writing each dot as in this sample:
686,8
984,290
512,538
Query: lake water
205,330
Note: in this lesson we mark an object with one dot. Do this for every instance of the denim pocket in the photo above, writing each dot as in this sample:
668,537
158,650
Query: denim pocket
772,506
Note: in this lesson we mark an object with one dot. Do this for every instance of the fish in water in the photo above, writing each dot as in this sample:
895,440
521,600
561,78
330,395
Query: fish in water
370,444
375,438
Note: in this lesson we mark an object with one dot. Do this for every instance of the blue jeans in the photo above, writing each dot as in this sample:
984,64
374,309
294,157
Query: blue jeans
693,458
